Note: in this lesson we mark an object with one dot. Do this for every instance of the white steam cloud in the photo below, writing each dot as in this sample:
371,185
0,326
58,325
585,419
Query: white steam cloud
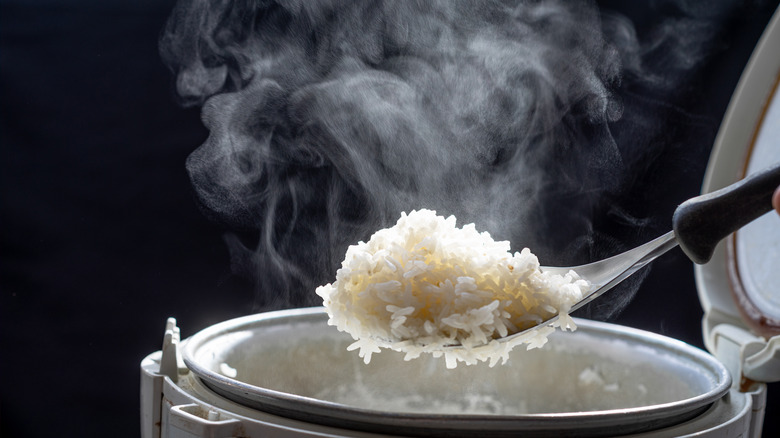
329,118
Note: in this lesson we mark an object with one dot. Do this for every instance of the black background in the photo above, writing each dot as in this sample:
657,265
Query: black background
101,240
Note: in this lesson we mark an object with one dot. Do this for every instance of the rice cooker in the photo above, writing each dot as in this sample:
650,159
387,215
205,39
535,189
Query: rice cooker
288,374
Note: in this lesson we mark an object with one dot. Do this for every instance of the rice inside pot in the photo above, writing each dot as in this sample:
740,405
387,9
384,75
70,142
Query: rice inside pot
424,285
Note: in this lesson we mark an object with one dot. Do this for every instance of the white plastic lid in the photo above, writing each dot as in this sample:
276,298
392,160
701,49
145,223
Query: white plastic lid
740,287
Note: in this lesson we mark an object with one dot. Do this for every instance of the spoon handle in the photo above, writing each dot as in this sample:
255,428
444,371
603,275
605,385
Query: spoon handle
701,222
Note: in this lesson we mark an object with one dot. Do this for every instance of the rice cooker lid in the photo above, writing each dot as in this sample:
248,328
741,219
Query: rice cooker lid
738,288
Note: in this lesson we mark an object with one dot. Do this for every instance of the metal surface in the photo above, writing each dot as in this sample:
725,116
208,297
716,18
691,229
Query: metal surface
601,380
605,274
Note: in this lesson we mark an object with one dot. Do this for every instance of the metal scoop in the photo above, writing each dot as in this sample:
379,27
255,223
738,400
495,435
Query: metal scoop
699,224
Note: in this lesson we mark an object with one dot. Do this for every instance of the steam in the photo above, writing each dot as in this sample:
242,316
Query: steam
327,119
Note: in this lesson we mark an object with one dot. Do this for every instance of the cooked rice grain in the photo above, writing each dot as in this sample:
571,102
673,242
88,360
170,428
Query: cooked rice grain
424,284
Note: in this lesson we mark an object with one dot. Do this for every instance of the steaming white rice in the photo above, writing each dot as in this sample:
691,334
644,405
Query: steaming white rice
425,285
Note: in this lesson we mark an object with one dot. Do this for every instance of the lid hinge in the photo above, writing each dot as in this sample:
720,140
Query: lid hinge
747,356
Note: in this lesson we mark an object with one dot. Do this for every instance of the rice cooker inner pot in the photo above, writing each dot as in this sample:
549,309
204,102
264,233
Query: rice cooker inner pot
601,380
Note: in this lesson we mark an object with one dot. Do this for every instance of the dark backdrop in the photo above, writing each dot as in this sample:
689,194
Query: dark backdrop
100,239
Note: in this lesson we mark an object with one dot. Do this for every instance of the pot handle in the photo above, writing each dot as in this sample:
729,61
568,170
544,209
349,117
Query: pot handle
701,222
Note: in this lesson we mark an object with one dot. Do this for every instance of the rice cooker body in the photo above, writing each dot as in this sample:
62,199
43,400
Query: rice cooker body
263,372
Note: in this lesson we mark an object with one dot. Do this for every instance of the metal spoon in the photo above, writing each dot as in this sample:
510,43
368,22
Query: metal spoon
699,224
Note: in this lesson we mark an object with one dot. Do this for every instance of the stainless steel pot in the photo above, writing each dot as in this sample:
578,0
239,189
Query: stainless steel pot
602,380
